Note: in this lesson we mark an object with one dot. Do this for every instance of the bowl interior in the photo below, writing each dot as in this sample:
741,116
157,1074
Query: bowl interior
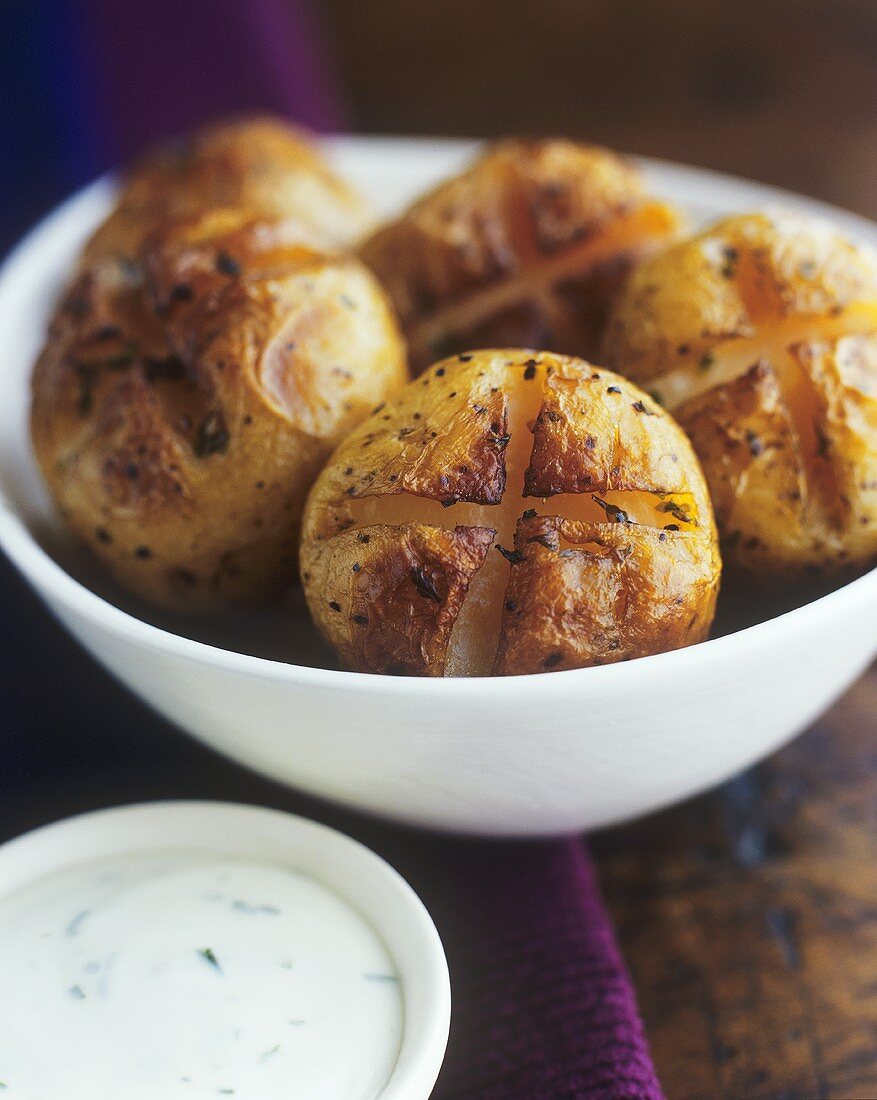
391,171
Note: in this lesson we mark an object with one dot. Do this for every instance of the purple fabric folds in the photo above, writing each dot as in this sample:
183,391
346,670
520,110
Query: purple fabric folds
159,69
543,1005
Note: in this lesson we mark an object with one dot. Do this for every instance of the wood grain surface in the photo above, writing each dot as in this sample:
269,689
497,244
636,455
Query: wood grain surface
749,921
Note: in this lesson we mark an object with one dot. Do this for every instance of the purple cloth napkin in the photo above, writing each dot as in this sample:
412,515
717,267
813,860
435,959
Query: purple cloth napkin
543,1006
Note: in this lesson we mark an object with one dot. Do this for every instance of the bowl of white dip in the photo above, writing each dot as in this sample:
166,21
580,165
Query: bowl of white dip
199,949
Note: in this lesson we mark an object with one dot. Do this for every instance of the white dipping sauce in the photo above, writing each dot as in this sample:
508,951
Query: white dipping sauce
181,975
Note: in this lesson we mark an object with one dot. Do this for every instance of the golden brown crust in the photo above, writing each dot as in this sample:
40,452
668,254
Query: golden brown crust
191,389
388,500
741,432
393,594
584,594
439,439
628,444
760,334
744,272
251,164
517,249
844,374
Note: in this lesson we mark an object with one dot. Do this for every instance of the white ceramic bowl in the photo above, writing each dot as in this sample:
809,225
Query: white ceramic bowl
353,872
526,755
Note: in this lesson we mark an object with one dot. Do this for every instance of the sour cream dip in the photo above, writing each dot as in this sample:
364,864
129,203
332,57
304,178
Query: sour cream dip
182,974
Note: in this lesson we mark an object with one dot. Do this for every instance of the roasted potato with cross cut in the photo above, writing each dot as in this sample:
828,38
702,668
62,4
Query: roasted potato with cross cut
760,336
510,512
527,247
203,363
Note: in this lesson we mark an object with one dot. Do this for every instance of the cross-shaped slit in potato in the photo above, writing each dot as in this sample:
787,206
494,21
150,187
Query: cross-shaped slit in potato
620,497
538,278
782,348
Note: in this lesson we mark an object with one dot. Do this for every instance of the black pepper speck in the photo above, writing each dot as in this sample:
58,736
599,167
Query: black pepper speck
227,264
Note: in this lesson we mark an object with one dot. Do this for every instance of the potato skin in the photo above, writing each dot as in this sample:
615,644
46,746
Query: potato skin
787,434
408,585
583,442
524,206
410,510
584,594
197,373
250,164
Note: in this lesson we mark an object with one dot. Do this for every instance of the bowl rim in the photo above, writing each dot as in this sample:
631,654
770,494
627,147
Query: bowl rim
360,877
59,587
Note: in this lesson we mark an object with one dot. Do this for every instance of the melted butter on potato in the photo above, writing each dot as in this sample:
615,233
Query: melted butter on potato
760,335
520,463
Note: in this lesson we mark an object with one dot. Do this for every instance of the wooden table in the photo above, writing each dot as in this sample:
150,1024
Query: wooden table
749,921
783,91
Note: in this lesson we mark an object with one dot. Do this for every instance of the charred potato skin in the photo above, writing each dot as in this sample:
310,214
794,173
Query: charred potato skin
522,203
196,375
399,590
751,274
584,594
579,593
740,432
596,434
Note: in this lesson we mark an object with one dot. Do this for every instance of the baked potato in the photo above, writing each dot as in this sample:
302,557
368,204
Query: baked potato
760,335
510,512
203,363
526,248
257,165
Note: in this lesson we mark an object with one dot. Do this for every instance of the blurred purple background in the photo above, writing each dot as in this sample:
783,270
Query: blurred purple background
86,85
